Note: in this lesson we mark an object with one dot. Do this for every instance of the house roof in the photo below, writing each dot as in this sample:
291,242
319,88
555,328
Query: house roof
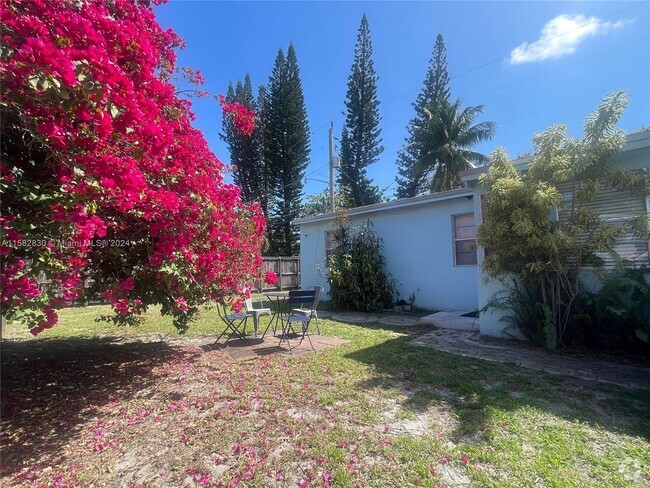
635,140
382,207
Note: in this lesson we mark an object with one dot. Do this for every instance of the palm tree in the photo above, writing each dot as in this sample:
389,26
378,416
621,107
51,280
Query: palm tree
447,141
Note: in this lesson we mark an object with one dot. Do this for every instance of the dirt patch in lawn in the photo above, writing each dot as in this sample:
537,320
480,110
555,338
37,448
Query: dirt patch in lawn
431,420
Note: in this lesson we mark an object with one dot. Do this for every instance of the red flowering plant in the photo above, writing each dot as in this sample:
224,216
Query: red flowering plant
103,176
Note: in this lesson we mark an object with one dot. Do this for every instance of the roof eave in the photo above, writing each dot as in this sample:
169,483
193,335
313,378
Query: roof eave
638,140
381,207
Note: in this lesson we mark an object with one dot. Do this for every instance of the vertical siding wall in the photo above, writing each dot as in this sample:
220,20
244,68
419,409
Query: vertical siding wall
610,204
418,248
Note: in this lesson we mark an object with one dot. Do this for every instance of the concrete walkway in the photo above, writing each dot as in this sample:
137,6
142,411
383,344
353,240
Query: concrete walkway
451,319
467,343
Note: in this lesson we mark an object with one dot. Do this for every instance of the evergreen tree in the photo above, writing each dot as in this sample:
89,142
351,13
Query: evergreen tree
360,139
262,116
246,151
320,203
286,150
411,181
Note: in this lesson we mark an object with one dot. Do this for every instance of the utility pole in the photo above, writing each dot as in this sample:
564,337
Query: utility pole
332,167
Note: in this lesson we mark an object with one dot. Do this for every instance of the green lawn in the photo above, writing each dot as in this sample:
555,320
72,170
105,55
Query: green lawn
91,404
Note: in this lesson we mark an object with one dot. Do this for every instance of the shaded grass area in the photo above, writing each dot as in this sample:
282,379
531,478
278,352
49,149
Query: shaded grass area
92,404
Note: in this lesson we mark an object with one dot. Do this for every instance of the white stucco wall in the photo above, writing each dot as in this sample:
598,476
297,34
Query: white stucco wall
489,321
418,248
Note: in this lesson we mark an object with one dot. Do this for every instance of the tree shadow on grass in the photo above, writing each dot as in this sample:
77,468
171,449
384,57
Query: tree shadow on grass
472,389
52,387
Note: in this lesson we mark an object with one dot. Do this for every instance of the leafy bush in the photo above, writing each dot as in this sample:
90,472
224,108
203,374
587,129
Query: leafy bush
616,317
563,179
357,269
526,312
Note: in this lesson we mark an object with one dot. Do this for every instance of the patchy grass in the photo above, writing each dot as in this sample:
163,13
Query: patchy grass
91,404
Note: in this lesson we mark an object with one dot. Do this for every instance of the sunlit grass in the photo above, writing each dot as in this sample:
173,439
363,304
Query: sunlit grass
375,411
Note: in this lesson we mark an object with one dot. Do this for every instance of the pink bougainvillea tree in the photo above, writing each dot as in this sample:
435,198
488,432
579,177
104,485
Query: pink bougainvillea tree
103,177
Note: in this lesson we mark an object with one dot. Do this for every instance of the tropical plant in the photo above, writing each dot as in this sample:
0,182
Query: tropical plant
410,179
564,176
102,173
525,311
616,316
357,274
446,143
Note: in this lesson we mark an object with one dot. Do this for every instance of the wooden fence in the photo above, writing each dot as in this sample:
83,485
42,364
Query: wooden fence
286,268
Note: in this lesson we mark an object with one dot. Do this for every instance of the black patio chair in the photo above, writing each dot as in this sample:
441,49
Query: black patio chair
312,311
298,299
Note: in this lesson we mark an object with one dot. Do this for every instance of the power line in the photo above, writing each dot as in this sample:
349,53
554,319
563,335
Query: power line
502,58
305,176
568,102
537,75
632,82
537,43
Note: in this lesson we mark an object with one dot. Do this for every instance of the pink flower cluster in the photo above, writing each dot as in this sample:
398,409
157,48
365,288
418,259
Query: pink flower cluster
87,98
242,118
17,286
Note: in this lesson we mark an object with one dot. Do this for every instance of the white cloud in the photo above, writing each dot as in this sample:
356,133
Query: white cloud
561,36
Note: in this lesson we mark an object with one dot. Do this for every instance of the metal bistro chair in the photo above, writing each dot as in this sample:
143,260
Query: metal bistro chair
312,311
303,299
234,322
256,313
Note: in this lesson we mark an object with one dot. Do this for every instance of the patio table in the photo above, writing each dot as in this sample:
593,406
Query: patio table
277,299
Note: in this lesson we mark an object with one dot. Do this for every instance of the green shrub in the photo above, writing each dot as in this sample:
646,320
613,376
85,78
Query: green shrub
541,225
526,312
357,270
616,317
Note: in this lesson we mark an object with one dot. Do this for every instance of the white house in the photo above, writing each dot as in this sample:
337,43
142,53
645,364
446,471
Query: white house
427,239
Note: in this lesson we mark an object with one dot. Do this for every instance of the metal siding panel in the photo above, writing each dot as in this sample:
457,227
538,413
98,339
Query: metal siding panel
616,207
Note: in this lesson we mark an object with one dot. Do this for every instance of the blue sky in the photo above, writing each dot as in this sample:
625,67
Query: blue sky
584,51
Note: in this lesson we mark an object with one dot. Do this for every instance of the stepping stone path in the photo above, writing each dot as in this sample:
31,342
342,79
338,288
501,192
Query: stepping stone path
354,317
399,321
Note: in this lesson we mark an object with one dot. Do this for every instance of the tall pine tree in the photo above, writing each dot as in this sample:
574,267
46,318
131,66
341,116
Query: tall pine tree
286,151
360,140
411,181
260,127
246,151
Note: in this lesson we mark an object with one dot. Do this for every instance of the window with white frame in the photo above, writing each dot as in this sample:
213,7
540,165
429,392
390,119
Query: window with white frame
330,243
464,236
